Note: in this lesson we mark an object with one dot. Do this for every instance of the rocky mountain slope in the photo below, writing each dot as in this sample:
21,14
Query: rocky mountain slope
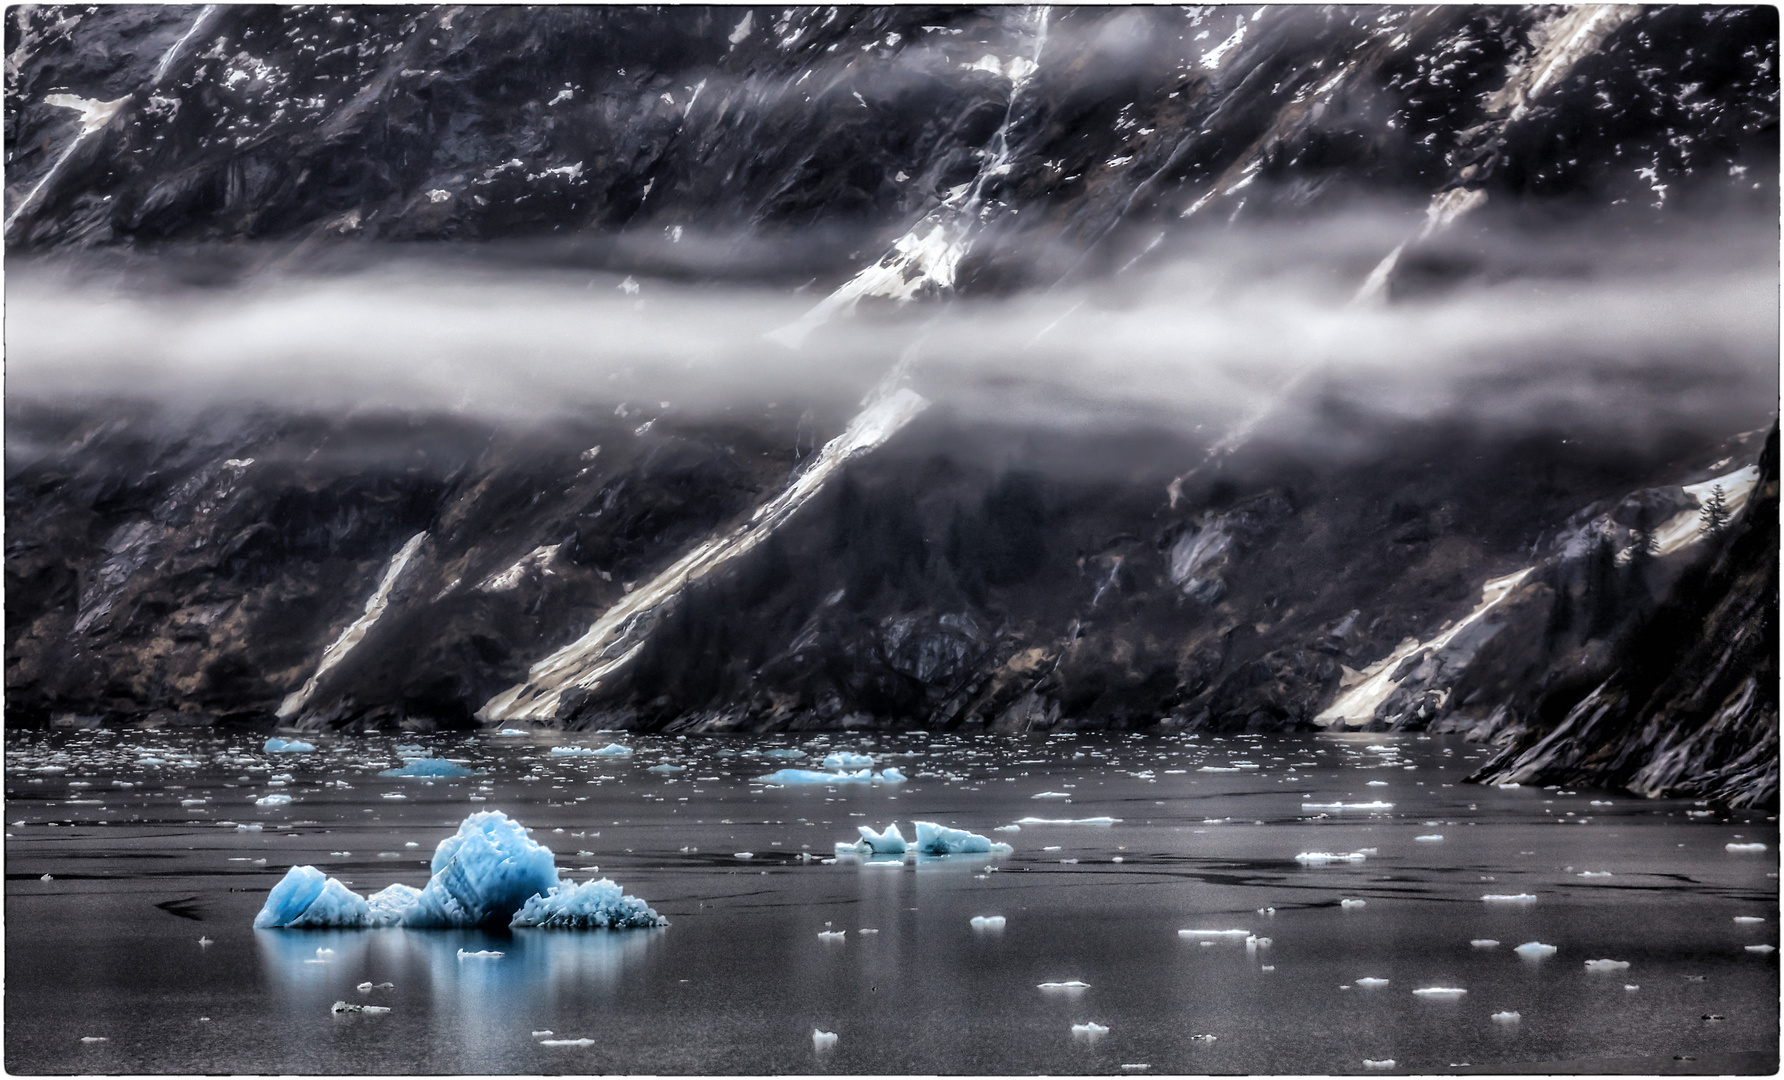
1387,529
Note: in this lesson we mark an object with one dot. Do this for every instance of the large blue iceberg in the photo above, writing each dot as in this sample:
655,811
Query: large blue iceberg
813,776
933,839
489,873
277,745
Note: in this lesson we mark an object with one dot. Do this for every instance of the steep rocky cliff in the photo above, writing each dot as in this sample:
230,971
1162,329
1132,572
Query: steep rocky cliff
1396,514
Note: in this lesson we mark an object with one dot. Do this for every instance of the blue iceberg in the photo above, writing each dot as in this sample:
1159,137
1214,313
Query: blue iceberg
489,873
785,753
612,749
590,905
280,746
430,767
813,776
933,839
890,842
843,759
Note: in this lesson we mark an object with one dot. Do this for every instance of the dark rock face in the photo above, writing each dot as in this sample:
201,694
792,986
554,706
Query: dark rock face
384,569
1691,704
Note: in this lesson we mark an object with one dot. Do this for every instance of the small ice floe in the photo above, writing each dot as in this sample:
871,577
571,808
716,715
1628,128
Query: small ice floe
1514,898
1253,943
1237,935
350,1007
1067,821
667,768
1008,828
512,731
1203,1038
988,922
1440,993
843,759
783,752
1052,795
1349,903
1140,1066
1506,1016
1376,783
1347,806
1748,919
1631,986
1607,965
1431,839
254,827
480,954
1594,873
46,877
368,987
933,839
280,746
1761,949
1071,986
431,767
203,941
1372,982
832,935
868,930
95,1038
272,800
1483,943
822,1040
1745,847
567,1042
1535,950
743,855
1321,858
1371,1063
542,1034
1091,1030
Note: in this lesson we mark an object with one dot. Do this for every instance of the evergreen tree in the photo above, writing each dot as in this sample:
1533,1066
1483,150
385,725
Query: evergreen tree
1715,513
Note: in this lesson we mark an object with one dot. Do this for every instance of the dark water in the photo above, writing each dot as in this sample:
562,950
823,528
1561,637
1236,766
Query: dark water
109,948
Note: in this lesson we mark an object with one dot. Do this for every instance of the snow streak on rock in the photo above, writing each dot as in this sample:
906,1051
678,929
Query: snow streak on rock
617,635
374,609
1357,706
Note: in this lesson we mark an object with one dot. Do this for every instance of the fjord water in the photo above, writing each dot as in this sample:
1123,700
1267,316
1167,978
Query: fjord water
148,841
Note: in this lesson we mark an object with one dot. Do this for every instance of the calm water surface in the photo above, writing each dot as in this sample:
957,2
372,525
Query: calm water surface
141,835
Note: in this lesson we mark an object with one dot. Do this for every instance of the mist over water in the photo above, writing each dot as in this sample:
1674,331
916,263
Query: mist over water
1508,326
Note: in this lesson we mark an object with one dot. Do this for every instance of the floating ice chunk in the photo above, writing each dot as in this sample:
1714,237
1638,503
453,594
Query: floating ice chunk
1760,949
272,800
95,1038
1319,858
1204,1038
889,842
483,874
429,766
1441,993
988,922
784,752
46,877
1432,839
888,776
1216,768
304,888
252,827
280,746
1237,934
1372,982
1090,1030
1745,847
933,839
1371,1063
843,759
480,954
822,1040
1515,898
1349,903
368,987
1607,965
1347,806
812,776
1595,873
743,855
1748,919
1506,1017
204,941
350,1007
1067,821
1376,783
568,1042
1070,986
1008,828
614,749
1631,986
1052,795
1483,943
832,935
1535,950
667,768
512,731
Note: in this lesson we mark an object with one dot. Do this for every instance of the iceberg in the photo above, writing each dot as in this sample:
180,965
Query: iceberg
1506,1017
1744,847
822,1040
1368,981
1091,1030
1348,903
785,753
988,922
1214,933
1441,993
1320,858
1515,898
888,776
612,749
489,873
272,800
1068,987
1065,821
667,768
280,746
1347,806
842,759
430,767
890,842
813,776
1607,965
1535,950
589,905
1759,949
933,839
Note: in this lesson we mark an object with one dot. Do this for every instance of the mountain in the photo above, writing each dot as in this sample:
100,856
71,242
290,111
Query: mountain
1016,369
